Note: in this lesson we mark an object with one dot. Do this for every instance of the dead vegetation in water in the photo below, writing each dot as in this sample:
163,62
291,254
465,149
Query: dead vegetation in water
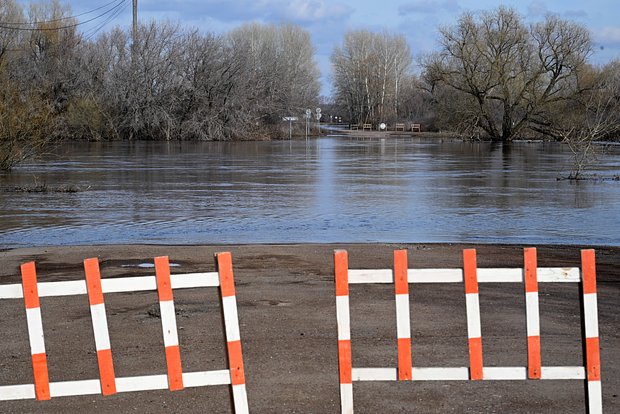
44,188
588,177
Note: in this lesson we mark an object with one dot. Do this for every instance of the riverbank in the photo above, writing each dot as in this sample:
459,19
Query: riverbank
286,305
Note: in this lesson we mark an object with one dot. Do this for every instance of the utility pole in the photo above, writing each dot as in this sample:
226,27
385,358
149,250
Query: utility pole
134,30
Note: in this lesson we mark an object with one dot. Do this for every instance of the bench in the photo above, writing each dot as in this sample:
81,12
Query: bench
354,126
415,127
399,127
367,127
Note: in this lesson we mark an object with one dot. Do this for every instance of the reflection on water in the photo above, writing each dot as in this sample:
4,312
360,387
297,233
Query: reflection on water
333,190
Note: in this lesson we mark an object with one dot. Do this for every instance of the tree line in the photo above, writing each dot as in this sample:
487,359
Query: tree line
172,83
492,77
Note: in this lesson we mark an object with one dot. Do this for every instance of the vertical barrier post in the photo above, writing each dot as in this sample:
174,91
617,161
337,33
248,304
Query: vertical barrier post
341,270
169,324
403,325
35,331
100,326
474,334
532,313
233,336
590,322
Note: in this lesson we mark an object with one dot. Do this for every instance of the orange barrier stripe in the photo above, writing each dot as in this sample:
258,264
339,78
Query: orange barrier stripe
533,357
29,285
235,358
588,269
162,273
401,284
175,372
345,365
475,358
93,279
470,271
404,359
531,269
225,270
41,377
106,372
593,359
341,268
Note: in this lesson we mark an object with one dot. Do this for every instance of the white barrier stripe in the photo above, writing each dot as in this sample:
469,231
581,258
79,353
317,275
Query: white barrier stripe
590,315
485,275
441,374
100,327
343,318
595,397
419,374
128,284
13,291
370,276
142,383
374,374
123,384
346,398
17,392
231,318
504,373
118,285
462,373
204,378
559,274
194,280
435,275
169,323
35,330
240,399
472,307
492,275
532,314
560,373
71,388
64,288
403,325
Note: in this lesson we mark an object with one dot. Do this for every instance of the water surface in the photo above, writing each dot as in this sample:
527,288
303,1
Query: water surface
336,189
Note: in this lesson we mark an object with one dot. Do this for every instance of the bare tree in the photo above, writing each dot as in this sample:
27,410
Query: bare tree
34,78
512,73
591,118
368,71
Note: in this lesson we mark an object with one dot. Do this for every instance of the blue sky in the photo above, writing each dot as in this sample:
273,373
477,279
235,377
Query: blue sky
328,20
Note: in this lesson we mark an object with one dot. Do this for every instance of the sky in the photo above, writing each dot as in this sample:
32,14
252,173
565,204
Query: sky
328,20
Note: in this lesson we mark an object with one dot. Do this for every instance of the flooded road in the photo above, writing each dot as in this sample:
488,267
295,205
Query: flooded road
336,189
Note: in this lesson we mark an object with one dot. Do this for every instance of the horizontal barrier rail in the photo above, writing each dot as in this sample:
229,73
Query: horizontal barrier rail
117,285
470,275
485,275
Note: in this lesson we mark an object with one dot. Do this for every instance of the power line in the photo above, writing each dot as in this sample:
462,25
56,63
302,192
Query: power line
34,29
59,19
92,32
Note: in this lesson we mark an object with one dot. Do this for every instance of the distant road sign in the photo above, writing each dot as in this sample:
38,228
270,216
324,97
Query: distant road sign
309,112
318,116
290,118
318,110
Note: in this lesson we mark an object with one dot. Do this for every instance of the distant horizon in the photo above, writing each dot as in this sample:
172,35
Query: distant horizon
327,22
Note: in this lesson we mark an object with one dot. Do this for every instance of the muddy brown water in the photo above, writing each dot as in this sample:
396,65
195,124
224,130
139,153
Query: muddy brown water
336,189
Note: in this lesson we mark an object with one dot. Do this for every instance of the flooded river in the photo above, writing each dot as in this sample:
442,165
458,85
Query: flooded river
335,189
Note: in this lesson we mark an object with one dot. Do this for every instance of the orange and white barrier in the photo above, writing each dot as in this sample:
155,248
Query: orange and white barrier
107,384
401,276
